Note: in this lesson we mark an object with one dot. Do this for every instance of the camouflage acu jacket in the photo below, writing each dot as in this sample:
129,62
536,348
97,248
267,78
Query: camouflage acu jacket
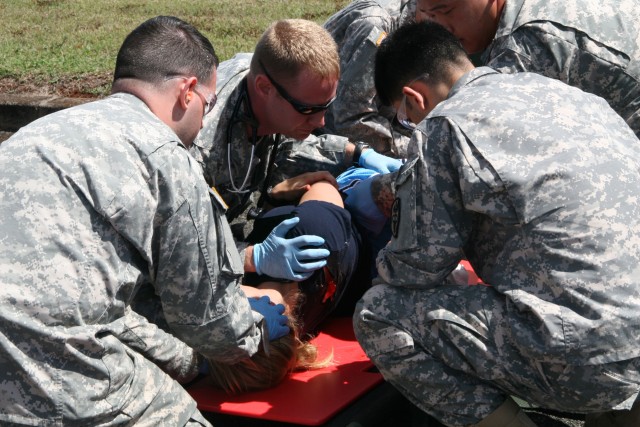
536,183
590,44
357,112
98,201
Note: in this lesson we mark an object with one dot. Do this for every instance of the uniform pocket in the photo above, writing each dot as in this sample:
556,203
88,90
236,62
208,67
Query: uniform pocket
230,261
403,211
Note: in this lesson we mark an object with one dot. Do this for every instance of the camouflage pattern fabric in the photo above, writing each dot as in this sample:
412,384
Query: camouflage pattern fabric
535,183
225,128
98,201
357,112
590,44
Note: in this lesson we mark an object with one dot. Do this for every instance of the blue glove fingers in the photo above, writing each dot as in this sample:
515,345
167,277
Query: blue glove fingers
279,309
307,240
276,322
302,276
283,228
280,257
261,305
301,264
304,255
280,327
309,267
257,303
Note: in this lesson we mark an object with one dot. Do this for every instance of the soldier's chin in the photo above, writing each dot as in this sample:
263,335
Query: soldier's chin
471,47
299,134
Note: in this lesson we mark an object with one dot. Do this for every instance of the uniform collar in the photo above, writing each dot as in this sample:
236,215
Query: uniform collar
468,78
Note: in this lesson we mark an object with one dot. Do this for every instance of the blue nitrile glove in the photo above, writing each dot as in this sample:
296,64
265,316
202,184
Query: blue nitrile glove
284,258
362,207
276,322
370,159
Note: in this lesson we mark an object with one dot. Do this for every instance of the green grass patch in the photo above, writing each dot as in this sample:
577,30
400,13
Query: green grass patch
58,40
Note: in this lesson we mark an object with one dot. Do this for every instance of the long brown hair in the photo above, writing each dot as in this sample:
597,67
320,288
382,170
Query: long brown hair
262,371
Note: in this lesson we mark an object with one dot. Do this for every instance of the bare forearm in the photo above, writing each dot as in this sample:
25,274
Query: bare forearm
249,265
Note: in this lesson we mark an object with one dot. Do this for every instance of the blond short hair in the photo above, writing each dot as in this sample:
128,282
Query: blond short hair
289,46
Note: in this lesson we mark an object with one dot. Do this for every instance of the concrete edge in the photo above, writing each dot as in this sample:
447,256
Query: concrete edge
19,110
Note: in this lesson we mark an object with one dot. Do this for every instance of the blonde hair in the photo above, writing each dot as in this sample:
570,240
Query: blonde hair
262,371
289,46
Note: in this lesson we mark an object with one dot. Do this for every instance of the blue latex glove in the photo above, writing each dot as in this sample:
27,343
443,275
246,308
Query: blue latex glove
284,258
362,207
276,322
370,159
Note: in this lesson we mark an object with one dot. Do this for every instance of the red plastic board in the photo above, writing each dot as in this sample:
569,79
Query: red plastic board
473,277
308,398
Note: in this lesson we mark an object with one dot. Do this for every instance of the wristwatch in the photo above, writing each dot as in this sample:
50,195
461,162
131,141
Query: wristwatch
357,152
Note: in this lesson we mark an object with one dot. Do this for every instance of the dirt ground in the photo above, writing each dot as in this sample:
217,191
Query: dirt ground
84,86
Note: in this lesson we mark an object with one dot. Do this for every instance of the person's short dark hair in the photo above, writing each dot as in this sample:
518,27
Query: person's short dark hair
414,50
162,47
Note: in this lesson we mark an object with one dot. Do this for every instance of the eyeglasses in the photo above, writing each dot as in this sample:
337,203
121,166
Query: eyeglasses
401,115
300,107
208,99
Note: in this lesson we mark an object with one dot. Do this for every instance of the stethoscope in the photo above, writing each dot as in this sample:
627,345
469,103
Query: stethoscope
245,116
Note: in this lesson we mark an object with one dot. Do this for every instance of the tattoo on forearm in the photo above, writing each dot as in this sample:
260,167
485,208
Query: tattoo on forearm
383,192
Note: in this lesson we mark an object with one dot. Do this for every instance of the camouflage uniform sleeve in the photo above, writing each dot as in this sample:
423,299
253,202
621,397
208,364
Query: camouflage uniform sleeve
429,228
170,354
357,112
197,280
316,153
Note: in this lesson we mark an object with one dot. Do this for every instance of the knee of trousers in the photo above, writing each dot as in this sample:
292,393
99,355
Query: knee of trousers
376,321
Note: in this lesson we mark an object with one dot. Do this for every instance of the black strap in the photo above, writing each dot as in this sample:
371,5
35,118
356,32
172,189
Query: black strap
357,152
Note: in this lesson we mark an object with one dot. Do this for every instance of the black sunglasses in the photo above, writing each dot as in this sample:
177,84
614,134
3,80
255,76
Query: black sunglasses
300,107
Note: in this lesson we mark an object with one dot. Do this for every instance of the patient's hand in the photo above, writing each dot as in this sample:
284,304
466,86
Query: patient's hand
292,189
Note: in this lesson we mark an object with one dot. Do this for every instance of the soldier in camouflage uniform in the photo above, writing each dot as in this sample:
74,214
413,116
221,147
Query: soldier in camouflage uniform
98,201
256,146
536,184
357,112
590,44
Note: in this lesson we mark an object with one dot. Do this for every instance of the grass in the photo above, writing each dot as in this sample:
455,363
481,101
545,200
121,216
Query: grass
75,42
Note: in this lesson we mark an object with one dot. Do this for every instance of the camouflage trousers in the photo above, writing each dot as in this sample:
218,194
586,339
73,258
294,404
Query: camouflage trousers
173,407
447,350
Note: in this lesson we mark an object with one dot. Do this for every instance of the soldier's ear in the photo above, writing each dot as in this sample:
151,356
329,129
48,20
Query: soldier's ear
186,91
415,97
263,85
